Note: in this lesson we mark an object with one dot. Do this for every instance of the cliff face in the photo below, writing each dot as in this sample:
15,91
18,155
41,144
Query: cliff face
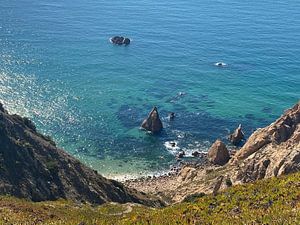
32,167
273,150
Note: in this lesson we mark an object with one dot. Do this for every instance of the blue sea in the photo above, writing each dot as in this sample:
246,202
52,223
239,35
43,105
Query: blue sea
58,68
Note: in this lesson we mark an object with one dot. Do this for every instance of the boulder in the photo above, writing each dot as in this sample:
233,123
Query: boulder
218,153
237,136
153,122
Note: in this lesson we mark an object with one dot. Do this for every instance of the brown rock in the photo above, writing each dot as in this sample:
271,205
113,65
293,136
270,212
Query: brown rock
237,136
153,122
273,150
218,153
276,133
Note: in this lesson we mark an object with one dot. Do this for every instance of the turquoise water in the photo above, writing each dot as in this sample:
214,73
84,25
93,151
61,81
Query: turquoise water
58,68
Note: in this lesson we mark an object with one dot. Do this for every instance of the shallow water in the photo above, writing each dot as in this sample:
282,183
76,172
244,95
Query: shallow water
58,68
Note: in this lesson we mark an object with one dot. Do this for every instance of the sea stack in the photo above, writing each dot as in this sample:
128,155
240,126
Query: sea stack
153,122
237,136
218,153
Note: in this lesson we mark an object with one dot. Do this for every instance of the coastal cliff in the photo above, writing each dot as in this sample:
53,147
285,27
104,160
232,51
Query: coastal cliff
32,167
269,152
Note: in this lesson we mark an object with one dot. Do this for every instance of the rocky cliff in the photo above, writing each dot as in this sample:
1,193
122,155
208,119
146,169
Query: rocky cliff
32,167
270,151
273,150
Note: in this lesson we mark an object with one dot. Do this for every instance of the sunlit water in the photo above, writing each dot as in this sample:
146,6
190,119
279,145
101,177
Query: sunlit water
58,68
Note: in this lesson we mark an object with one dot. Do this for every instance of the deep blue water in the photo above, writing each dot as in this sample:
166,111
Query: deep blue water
58,68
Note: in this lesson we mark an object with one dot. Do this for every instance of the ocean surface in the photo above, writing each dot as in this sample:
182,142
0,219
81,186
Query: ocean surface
58,68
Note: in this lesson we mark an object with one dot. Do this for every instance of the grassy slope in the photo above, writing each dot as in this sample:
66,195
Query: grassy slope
272,201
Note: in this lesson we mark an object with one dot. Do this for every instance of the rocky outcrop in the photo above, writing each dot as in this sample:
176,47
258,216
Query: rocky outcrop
237,136
117,40
153,122
273,150
285,129
32,167
218,153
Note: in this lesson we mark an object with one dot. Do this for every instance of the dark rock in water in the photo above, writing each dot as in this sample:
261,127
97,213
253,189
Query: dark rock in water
171,116
220,64
153,122
218,153
196,154
1,108
181,155
32,167
126,41
119,40
237,136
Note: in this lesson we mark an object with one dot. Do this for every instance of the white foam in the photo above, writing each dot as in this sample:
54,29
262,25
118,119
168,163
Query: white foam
220,64
171,148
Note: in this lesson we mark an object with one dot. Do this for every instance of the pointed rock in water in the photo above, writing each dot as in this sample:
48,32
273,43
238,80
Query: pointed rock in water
153,122
218,153
237,136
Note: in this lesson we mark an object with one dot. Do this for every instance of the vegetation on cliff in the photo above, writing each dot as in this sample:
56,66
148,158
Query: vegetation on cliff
270,201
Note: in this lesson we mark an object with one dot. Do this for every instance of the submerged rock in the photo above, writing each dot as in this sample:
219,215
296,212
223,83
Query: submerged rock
218,153
153,122
237,136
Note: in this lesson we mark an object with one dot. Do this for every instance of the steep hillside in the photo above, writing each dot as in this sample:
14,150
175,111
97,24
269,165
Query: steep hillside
32,167
268,201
